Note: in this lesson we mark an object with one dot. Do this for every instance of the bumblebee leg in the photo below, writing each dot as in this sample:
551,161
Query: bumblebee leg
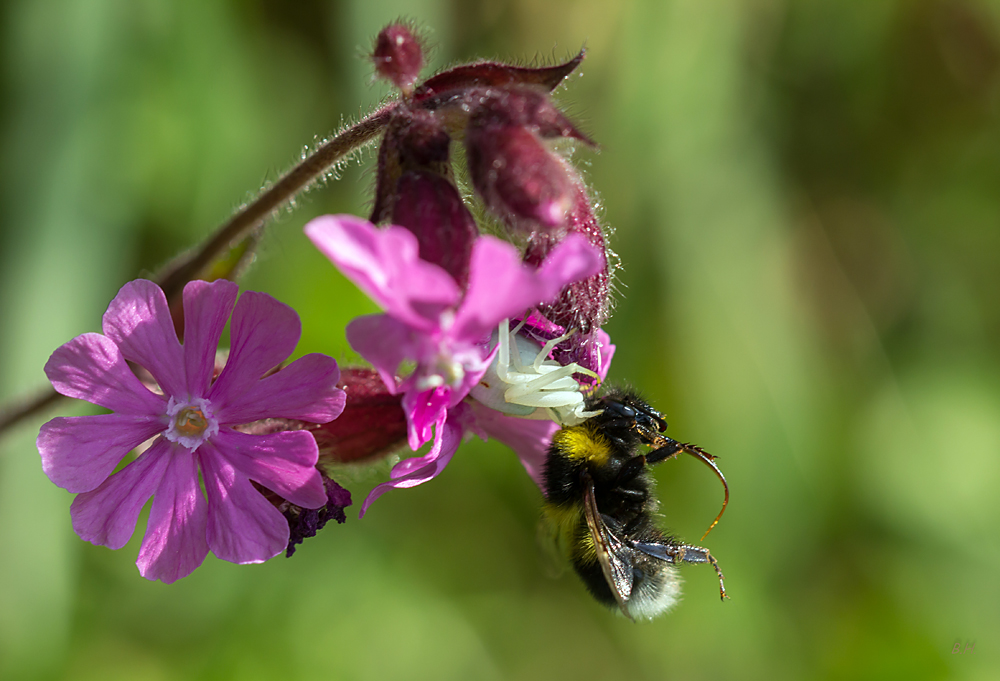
670,449
683,553
630,469
686,553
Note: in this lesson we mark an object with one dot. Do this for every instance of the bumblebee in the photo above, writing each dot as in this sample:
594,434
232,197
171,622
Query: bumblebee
599,505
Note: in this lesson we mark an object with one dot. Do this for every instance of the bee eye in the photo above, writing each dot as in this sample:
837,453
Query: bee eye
620,410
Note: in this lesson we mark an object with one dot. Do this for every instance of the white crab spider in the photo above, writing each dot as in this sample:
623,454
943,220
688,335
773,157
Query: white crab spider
526,383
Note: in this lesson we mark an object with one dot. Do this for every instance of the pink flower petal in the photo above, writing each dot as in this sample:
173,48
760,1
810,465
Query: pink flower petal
107,515
283,462
79,453
243,527
206,311
607,351
174,544
384,342
501,286
418,470
305,390
263,334
528,438
139,321
386,265
423,411
91,367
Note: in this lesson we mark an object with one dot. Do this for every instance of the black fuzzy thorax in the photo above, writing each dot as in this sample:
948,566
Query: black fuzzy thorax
564,472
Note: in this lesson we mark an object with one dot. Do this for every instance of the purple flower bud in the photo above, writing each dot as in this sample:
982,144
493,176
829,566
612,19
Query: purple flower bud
518,178
429,206
398,56
527,107
414,190
584,305
414,140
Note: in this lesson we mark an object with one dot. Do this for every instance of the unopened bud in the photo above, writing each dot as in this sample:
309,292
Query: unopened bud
414,140
429,206
527,107
518,178
398,56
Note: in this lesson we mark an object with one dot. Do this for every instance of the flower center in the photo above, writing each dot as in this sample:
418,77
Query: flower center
191,422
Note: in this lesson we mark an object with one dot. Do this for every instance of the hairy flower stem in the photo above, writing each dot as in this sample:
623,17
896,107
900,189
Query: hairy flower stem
294,181
190,266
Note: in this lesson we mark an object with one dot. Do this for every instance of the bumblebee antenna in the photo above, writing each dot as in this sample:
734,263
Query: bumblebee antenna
709,460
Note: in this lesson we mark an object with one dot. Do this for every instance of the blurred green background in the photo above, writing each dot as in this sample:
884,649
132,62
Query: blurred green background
806,199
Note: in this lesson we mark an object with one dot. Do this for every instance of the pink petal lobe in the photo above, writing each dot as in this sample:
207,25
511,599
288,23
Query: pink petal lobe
528,438
501,286
423,411
243,527
91,367
305,390
418,470
263,334
107,515
174,544
138,320
386,265
79,453
283,462
607,352
384,342
206,310
573,259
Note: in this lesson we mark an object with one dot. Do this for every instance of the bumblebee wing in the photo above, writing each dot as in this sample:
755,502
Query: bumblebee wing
612,554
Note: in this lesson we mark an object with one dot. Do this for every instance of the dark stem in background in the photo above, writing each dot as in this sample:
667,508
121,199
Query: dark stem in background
189,267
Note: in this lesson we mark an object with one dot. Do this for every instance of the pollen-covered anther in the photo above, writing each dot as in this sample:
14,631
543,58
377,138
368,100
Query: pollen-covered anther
191,422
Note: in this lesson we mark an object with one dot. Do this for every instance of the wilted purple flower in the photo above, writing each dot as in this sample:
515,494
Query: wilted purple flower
190,423
306,522
431,321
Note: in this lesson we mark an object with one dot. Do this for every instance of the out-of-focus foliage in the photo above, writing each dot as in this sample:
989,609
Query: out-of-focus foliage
806,198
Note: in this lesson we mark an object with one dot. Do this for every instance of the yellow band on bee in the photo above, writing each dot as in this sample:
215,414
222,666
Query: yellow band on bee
582,442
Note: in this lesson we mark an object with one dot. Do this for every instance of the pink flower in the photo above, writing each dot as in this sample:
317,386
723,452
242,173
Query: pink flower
432,322
190,423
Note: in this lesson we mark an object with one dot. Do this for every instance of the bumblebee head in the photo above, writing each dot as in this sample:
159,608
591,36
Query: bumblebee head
625,412
626,406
